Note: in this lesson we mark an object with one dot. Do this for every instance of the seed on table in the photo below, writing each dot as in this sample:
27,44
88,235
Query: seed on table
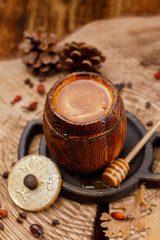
147,105
23,215
5,175
119,86
1,226
149,123
27,81
55,222
36,230
19,220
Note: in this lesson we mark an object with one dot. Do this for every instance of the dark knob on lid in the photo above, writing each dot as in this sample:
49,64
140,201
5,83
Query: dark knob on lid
30,181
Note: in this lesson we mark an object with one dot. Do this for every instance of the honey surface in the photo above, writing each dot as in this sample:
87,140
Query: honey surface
83,100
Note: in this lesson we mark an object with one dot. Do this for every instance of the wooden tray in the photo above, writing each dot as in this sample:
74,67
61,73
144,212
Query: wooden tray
90,188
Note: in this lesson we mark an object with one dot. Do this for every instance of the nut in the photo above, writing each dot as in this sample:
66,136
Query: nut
118,215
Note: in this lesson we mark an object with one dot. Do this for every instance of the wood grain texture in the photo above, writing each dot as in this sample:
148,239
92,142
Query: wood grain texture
125,42
13,119
61,16
88,147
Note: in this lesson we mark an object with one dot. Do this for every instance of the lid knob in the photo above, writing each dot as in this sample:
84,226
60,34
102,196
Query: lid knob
30,181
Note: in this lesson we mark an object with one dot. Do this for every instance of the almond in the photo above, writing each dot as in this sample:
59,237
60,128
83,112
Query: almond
118,215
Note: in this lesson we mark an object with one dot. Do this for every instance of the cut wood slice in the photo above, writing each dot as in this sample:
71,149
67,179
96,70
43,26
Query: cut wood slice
34,183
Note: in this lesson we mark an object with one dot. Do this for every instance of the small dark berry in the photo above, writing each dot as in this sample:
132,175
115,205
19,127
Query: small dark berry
5,175
1,226
27,81
55,222
147,105
23,215
119,86
19,220
149,123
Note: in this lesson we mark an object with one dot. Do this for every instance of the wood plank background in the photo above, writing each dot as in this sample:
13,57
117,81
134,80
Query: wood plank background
61,16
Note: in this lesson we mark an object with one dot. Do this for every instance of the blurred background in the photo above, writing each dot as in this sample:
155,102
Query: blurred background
61,16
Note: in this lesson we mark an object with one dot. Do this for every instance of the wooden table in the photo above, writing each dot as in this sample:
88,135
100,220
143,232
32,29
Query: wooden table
125,42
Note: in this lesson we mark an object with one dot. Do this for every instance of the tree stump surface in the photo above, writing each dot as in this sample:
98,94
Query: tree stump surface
125,42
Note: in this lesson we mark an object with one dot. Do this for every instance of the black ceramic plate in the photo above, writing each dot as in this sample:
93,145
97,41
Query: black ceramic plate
89,188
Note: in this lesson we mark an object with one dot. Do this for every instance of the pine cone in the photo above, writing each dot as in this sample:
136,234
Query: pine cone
80,57
40,52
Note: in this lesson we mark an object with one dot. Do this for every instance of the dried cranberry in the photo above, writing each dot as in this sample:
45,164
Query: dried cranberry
41,89
157,75
16,99
32,106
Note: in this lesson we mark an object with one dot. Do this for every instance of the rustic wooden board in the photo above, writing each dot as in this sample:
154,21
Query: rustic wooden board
125,42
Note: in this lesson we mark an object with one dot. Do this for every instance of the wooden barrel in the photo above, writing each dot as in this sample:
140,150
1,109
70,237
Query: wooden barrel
85,147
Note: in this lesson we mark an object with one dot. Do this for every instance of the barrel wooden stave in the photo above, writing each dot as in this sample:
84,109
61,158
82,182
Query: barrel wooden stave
86,147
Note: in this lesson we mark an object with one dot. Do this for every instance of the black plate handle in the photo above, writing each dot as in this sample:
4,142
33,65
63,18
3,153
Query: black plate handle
151,179
33,128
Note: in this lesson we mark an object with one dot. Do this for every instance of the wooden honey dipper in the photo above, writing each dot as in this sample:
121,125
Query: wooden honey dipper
118,169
